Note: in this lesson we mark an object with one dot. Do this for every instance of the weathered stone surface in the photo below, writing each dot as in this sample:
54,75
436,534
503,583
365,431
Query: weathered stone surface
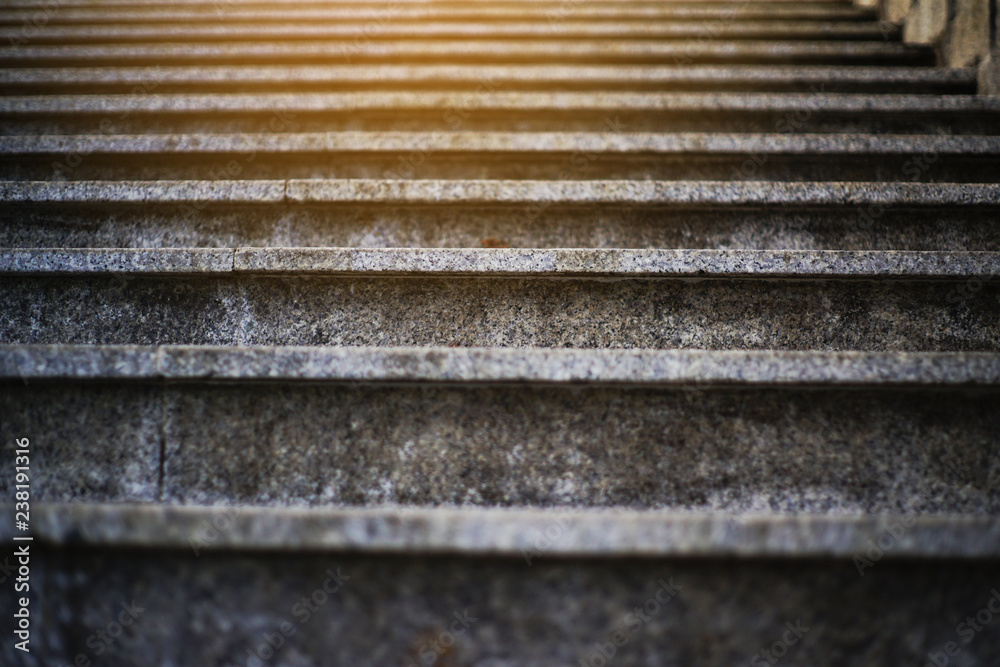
773,78
828,225
684,434
497,101
498,262
968,36
897,11
342,37
927,22
387,610
535,144
468,311
466,159
89,442
391,609
534,111
694,50
988,74
402,12
470,532
550,447
356,364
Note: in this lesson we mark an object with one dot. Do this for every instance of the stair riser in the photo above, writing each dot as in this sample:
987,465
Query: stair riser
555,612
620,84
473,118
926,168
345,37
696,50
889,315
523,226
365,445
455,13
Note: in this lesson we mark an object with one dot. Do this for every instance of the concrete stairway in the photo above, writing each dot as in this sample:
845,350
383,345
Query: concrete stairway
497,332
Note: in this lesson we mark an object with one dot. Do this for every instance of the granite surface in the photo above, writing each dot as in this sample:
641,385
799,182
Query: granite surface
865,202
534,143
220,608
760,312
582,533
457,225
872,265
261,112
740,432
499,101
374,364
537,49
283,10
570,28
774,78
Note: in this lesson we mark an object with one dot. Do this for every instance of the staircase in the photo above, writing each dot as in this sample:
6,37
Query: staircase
496,333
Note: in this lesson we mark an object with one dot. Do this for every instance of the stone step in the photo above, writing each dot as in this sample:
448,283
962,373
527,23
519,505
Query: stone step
820,432
873,300
471,596
582,533
464,156
421,50
448,4
507,111
727,11
329,78
525,214
288,33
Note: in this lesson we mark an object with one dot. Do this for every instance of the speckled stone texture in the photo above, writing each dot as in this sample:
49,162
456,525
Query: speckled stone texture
825,451
615,153
568,165
512,312
524,226
538,49
801,78
562,112
91,442
338,33
409,11
389,610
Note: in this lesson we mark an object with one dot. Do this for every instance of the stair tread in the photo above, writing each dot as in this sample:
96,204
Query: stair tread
793,264
527,142
453,192
499,75
536,49
515,532
403,11
500,101
477,365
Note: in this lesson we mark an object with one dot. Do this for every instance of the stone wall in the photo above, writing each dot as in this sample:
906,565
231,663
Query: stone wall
964,32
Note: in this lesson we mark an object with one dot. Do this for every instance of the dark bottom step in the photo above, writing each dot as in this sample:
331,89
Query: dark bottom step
239,609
